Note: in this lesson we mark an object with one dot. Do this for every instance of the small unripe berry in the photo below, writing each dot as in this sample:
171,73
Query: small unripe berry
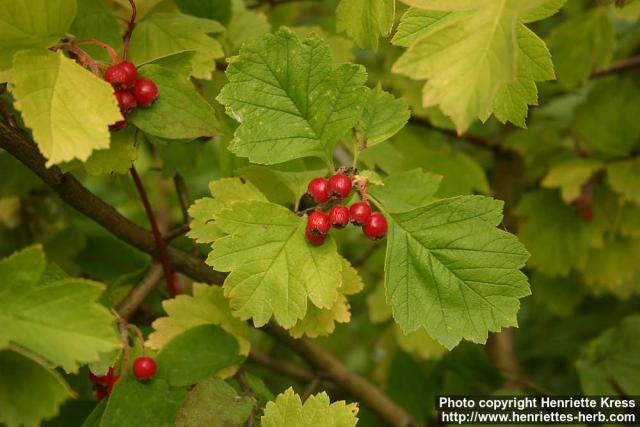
122,75
318,189
339,216
376,227
144,368
314,240
339,186
318,223
145,92
126,101
359,213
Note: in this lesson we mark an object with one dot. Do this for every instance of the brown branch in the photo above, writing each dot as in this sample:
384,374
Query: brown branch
311,388
77,196
176,232
471,139
625,64
157,235
183,197
246,388
289,369
320,359
139,293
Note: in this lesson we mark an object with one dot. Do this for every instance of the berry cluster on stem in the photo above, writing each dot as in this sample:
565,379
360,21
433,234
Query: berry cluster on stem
131,91
335,189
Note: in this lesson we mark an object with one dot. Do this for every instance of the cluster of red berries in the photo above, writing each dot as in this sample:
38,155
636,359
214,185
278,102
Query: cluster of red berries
339,186
144,368
130,91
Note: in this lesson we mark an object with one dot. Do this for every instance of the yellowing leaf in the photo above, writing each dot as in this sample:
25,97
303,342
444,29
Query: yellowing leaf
570,176
624,177
274,269
67,107
287,410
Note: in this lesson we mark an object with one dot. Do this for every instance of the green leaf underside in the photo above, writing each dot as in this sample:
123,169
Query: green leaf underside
288,410
450,270
214,403
365,20
31,24
135,403
274,270
60,321
29,392
67,107
197,353
160,34
179,112
476,59
289,100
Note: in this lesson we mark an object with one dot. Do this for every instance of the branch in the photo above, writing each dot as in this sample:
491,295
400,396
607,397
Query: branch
138,294
77,196
130,26
157,236
289,369
471,139
625,64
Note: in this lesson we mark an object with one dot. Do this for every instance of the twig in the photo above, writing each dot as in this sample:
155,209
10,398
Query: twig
176,232
246,388
474,140
139,293
625,64
289,369
311,387
183,197
162,249
77,196
81,56
112,53
130,26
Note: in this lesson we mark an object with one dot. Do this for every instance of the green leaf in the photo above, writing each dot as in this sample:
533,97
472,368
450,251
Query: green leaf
471,59
283,183
580,44
95,22
214,403
560,295
624,177
288,410
450,270
29,392
162,34
383,117
613,268
116,159
366,20
68,108
274,270
245,25
616,104
197,353
135,403
570,176
419,343
60,321
405,191
290,109
31,24
553,232
416,22
217,10
179,112
610,365
203,228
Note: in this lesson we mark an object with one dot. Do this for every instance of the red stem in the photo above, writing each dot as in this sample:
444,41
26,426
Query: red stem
112,52
81,56
160,243
131,25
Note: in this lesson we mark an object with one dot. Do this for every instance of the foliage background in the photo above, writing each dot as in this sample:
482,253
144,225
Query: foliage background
569,177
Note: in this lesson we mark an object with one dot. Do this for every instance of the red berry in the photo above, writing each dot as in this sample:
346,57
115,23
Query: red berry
145,92
318,223
126,101
105,379
339,216
376,227
314,240
339,186
117,125
144,368
359,213
319,189
101,392
122,75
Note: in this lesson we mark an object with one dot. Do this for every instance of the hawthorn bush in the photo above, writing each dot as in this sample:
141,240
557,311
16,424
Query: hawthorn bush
351,205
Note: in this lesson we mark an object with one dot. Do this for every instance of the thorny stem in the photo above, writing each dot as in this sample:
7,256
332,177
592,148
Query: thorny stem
112,52
130,26
160,243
